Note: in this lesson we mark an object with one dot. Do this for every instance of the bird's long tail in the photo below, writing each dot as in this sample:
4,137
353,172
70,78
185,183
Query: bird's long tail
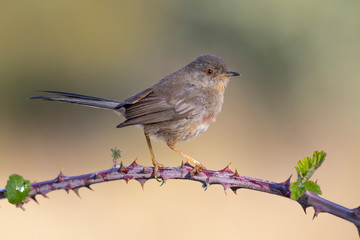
82,100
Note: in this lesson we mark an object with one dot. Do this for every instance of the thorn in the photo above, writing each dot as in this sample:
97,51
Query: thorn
76,191
88,186
122,169
287,182
357,212
225,188
315,213
227,169
182,165
304,206
67,189
234,190
134,163
317,209
187,164
34,198
60,177
236,173
205,185
142,182
20,205
127,178
44,195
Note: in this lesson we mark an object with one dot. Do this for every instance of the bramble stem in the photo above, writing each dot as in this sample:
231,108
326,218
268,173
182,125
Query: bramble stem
226,177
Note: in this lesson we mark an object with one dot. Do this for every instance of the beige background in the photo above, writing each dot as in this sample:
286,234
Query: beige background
299,93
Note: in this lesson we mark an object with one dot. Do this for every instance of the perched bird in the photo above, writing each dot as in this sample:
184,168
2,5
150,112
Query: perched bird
177,108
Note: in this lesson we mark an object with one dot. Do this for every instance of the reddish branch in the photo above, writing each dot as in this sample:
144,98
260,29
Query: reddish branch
227,178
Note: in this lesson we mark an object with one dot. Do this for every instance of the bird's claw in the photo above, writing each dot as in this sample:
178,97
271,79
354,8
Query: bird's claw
196,170
157,166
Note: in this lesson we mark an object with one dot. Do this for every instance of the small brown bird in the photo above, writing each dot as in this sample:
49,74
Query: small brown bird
177,108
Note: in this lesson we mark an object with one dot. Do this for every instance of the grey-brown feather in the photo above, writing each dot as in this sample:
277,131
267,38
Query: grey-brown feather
82,100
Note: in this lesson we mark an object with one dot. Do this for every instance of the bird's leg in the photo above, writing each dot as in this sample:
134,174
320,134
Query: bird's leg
198,165
154,162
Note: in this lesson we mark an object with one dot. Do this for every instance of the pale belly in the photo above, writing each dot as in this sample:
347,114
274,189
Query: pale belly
177,131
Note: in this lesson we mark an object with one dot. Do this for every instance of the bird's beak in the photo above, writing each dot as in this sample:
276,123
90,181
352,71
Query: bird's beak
229,74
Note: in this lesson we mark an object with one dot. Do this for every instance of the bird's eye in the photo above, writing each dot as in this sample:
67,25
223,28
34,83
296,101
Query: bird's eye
209,71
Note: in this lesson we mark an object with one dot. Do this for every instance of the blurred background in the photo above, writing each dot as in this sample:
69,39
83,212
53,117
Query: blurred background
299,92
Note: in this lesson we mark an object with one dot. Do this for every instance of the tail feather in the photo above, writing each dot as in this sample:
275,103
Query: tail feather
81,99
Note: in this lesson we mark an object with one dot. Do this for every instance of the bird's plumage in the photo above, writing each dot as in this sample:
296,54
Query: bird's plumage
177,108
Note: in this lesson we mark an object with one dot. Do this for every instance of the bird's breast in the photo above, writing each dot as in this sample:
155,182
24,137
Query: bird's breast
221,84
208,119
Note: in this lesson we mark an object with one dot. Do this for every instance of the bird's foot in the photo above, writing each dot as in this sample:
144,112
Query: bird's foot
157,166
198,167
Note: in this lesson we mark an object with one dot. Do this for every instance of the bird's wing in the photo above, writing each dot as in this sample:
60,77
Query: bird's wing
137,97
152,107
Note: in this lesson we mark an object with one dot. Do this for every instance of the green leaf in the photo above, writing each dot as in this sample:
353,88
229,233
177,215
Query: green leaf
296,190
308,166
312,187
305,169
115,153
17,188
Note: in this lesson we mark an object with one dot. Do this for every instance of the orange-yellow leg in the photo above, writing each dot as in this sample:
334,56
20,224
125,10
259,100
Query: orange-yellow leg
198,165
154,162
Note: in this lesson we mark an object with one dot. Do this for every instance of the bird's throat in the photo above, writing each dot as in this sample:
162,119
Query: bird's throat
221,85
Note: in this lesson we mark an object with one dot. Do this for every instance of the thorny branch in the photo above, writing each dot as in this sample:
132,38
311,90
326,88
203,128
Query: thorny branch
226,177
